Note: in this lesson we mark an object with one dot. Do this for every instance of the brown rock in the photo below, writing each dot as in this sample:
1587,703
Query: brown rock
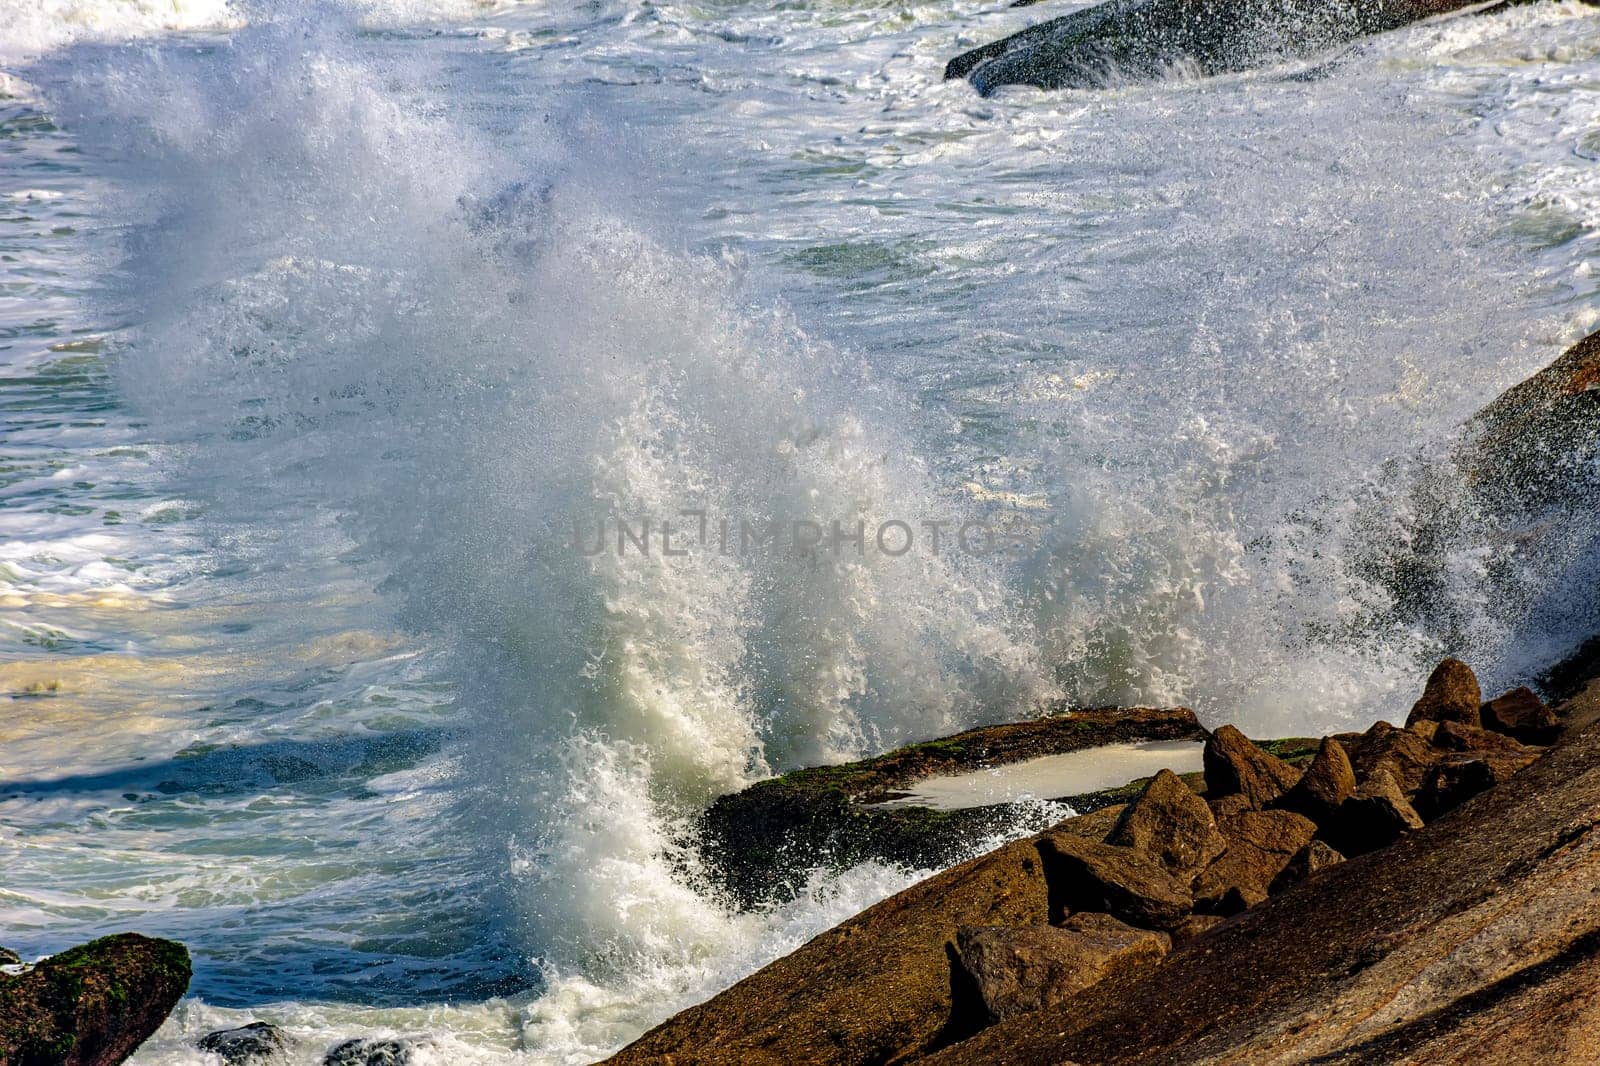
91,1005
1523,715
1228,806
871,990
1017,969
1260,845
1327,783
1375,817
1453,736
1402,752
1233,764
1472,941
1087,876
1307,861
1456,779
1195,925
1451,695
1171,824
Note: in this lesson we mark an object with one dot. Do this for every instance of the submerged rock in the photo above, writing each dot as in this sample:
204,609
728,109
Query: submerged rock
91,1005
360,1052
1021,969
257,1042
1124,40
1234,765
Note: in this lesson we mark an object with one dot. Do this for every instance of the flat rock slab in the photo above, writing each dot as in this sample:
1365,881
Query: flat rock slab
763,841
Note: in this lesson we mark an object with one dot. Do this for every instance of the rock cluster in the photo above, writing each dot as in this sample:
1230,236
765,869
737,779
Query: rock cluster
1109,898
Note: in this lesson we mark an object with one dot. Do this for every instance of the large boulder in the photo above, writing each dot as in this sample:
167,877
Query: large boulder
1521,714
1451,695
1234,765
1171,824
1326,784
875,989
91,1005
763,842
362,1051
1085,875
1458,778
1017,969
1140,39
1260,845
1453,736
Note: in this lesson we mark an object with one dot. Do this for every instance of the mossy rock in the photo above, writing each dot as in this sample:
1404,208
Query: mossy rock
762,843
91,1005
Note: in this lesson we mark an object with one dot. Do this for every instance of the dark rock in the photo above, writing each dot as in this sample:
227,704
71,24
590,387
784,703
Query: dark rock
1195,925
1017,969
256,1042
1171,824
1406,756
1307,861
1451,695
764,841
9,957
359,1052
1260,845
1087,876
91,1005
1523,715
1374,817
1141,39
1234,765
1326,784
1457,779
1453,736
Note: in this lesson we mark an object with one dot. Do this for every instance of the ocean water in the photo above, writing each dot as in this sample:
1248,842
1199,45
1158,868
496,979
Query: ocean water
331,331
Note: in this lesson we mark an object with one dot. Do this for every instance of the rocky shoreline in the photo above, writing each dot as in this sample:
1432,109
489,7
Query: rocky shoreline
1184,895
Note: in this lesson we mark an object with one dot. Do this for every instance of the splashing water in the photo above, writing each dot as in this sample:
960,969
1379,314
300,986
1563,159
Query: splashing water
399,314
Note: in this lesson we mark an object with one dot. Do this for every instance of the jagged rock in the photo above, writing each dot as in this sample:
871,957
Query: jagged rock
1171,824
1307,861
1326,784
1142,39
1458,778
1260,845
1084,875
91,1005
1233,764
9,957
1470,941
1017,969
361,1052
1406,756
1451,695
256,1042
1521,714
1374,817
1228,806
1453,736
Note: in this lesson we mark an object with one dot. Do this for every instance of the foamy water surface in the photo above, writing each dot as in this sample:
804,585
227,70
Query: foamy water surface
324,327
